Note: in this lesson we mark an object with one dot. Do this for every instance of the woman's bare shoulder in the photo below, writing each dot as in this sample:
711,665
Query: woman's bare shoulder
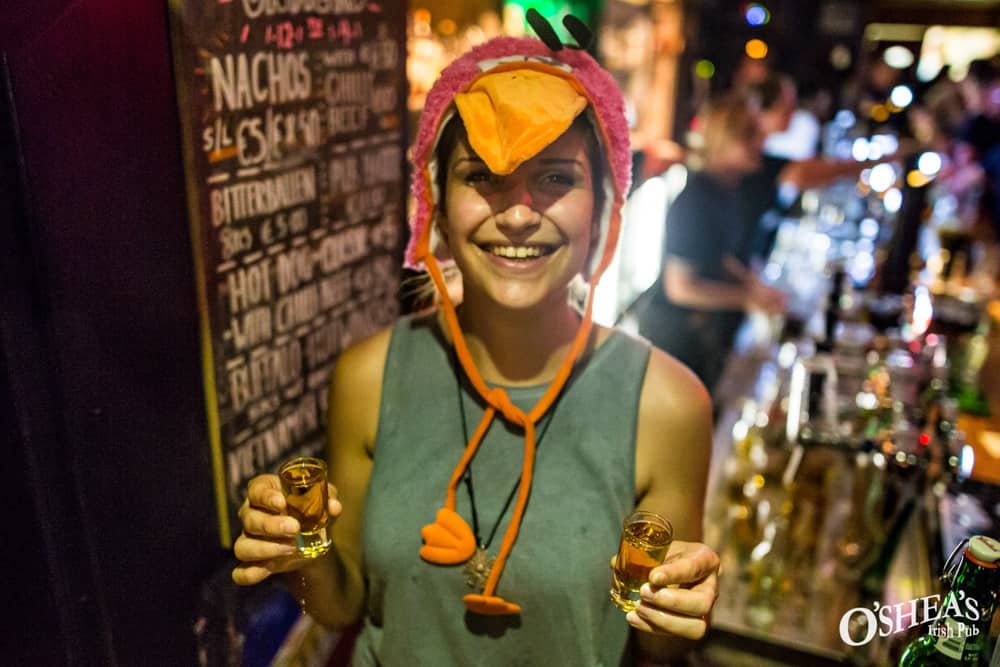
356,390
671,391
363,361
673,443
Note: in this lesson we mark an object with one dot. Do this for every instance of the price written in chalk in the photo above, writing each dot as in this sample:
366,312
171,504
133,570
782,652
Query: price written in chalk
258,139
282,225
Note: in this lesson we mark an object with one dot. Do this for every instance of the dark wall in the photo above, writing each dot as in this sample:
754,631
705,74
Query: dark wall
101,383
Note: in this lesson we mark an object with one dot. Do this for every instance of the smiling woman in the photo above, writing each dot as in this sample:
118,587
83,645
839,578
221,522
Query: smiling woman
515,237
521,166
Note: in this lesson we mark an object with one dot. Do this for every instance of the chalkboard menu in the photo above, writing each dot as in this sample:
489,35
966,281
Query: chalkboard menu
293,117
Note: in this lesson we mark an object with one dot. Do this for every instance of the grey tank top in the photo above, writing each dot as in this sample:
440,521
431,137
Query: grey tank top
584,484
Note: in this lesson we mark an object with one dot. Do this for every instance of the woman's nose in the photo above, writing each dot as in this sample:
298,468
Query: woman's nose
518,207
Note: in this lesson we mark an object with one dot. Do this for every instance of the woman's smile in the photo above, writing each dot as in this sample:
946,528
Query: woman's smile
519,260
517,252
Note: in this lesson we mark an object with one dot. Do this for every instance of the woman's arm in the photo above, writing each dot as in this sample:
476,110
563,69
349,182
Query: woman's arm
334,588
330,588
673,450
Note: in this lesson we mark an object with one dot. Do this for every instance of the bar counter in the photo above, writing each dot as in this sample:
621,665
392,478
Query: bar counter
811,609
984,432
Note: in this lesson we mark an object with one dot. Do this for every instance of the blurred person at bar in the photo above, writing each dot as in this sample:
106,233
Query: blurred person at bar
978,140
800,140
768,191
525,205
966,209
695,306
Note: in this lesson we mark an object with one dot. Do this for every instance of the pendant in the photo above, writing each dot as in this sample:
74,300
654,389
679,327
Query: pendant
477,569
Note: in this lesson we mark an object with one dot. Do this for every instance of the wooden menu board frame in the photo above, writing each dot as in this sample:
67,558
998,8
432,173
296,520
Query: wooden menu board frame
294,129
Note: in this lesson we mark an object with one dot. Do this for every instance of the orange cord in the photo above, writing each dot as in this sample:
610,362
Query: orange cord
498,400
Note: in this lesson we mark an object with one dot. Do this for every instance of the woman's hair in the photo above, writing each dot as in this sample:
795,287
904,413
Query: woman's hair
724,121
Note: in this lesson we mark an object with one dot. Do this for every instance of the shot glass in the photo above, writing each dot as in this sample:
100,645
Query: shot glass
303,481
645,538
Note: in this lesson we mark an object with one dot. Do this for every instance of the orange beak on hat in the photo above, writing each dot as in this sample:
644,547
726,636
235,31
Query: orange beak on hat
512,113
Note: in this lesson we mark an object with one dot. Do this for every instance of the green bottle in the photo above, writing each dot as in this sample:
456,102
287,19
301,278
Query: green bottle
959,637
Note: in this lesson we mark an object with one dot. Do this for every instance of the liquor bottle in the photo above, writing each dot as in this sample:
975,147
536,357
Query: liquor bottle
785,552
876,407
748,477
768,571
970,396
812,401
832,309
857,545
959,635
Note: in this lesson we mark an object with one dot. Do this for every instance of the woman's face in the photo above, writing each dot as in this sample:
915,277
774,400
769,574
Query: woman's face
519,239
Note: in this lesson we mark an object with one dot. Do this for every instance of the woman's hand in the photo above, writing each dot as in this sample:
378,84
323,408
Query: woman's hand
267,543
680,593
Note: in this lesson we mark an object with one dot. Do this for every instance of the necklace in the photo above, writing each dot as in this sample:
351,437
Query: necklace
477,569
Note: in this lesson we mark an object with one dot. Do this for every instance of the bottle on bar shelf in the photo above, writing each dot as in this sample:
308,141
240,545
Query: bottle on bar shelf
966,379
768,580
958,635
812,401
733,531
832,308
751,481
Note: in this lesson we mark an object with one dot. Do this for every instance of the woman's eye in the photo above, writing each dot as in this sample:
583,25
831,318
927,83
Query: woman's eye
559,179
478,176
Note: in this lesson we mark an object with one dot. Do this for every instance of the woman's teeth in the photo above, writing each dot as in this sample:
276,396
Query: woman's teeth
517,252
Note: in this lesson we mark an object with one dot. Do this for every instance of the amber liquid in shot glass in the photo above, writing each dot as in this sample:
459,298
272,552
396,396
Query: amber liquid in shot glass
303,481
645,538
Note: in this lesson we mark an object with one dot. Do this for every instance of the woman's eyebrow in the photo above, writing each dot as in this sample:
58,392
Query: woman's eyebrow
561,160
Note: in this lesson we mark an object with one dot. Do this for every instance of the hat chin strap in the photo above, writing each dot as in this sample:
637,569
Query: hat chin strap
449,540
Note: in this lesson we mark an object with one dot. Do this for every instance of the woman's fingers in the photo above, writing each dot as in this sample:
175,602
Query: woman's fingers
657,621
681,594
264,524
249,549
695,601
687,563
333,505
248,574
262,513
267,545
264,493
262,558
